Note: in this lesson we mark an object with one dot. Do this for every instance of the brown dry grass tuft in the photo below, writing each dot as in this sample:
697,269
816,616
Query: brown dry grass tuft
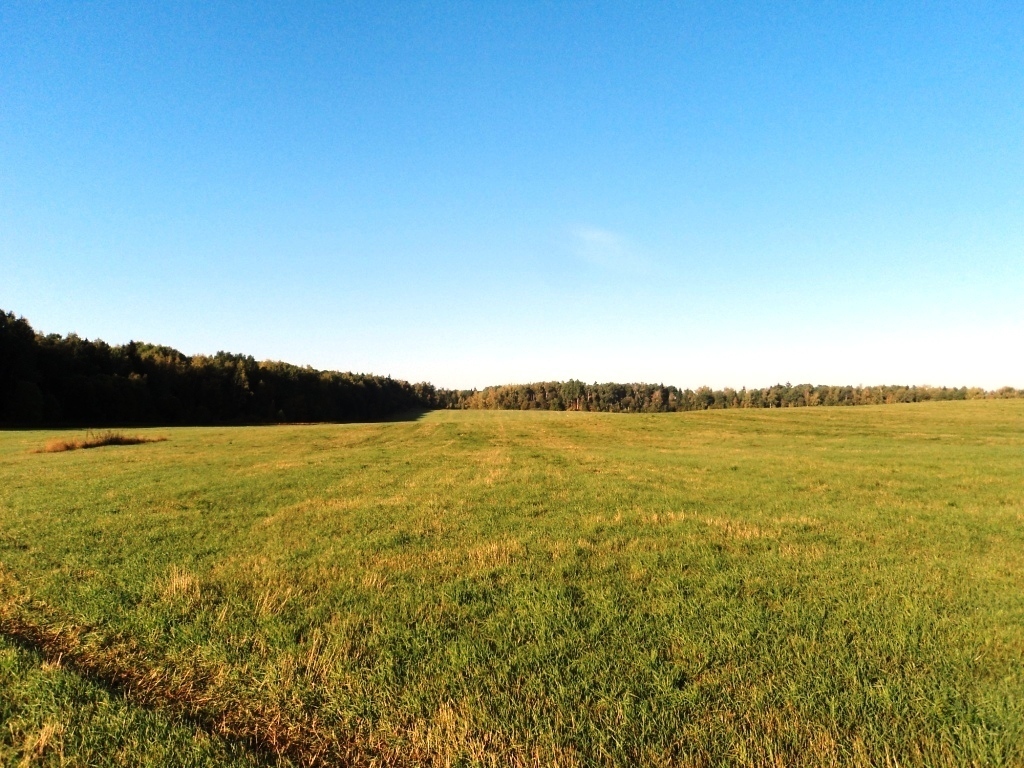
36,744
96,441
181,585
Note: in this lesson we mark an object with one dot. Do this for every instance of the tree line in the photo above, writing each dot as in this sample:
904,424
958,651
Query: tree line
658,398
65,380
50,380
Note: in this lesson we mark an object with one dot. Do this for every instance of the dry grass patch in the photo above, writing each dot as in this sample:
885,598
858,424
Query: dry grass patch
181,584
36,744
97,440
495,553
738,529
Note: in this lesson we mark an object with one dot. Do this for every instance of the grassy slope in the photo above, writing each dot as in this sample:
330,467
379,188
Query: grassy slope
729,587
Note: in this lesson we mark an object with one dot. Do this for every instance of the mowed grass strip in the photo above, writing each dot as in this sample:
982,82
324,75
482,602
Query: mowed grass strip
796,587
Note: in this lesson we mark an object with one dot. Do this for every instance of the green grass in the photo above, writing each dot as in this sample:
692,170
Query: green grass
52,716
794,587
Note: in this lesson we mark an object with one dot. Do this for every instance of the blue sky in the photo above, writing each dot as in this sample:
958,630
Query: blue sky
473,193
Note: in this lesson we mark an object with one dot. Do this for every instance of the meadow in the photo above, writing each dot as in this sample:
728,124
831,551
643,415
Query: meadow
799,587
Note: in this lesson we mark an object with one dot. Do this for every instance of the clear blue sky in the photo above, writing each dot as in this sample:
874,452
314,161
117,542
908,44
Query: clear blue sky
474,193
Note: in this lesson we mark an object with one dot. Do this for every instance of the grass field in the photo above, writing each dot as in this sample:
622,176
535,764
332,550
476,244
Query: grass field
793,587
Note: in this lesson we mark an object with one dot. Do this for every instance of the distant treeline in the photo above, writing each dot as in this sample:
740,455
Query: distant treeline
67,380
657,398
64,380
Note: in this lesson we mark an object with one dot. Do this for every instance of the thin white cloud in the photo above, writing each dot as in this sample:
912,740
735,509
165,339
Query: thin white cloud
607,249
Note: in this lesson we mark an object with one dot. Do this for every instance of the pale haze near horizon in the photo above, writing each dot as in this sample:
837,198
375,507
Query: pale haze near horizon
477,194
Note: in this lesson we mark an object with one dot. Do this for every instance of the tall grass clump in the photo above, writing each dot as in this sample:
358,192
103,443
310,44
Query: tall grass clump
97,440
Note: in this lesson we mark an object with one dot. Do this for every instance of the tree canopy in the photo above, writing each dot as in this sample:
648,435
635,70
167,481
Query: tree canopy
69,380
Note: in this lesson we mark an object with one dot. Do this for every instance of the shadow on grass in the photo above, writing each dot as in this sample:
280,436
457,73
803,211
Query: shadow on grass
117,684
410,414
